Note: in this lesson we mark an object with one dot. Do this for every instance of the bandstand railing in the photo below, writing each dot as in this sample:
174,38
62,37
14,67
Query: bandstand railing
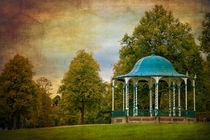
119,113
163,113
146,113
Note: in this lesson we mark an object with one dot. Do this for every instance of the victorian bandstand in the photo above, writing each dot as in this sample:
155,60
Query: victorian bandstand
153,69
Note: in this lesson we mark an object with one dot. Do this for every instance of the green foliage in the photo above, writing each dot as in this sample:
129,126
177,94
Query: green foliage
45,111
103,110
17,94
81,90
171,39
205,37
44,84
205,45
23,102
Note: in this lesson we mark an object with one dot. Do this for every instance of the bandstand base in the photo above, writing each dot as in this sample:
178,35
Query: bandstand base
152,120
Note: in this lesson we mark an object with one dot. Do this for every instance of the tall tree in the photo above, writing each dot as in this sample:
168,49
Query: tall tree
81,86
171,39
45,111
205,45
16,88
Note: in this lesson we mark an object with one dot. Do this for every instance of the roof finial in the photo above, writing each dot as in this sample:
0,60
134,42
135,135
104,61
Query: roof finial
153,51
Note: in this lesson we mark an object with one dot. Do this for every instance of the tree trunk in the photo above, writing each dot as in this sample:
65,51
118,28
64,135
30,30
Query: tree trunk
82,112
14,122
18,121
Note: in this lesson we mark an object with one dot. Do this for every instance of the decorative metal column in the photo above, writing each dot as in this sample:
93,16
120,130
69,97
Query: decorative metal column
113,95
185,81
179,101
134,99
174,106
123,97
150,98
156,95
169,98
194,91
127,95
136,104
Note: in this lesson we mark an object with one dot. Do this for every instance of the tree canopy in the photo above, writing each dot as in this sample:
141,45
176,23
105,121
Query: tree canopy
23,102
16,88
205,36
170,38
81,86
205,46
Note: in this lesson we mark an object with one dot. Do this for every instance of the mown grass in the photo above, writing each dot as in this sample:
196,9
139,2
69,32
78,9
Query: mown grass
122,132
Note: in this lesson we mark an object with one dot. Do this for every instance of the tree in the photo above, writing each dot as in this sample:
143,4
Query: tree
44,84
205,37
80,87
55,110
104,107
45,112
17,92
205,45
171,39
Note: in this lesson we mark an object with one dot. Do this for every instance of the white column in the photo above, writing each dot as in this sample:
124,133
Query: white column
174,105
169,98
127,95
150,98
179,100
135,88
123,97
112,95
185,84
156,95
136,104
194,92
134,99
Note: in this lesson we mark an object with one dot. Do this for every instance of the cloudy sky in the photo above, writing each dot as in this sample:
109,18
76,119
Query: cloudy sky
50,32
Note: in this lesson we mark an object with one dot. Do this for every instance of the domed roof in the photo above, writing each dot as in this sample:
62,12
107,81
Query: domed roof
152,66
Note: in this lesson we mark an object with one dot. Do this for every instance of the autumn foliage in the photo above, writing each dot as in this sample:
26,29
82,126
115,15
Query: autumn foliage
24,103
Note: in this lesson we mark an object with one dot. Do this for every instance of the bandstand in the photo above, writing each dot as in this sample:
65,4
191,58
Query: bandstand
153,69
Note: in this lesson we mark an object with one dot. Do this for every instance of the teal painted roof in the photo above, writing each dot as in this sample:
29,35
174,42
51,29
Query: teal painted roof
152,66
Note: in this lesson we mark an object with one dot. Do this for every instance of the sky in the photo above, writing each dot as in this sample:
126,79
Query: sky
50,32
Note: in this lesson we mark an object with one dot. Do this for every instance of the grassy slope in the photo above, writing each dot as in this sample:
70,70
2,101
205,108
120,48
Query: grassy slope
125,131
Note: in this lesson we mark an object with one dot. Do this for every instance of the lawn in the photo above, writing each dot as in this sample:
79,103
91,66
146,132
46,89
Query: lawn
123,131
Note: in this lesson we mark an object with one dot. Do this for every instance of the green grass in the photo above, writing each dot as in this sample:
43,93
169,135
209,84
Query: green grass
123,131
